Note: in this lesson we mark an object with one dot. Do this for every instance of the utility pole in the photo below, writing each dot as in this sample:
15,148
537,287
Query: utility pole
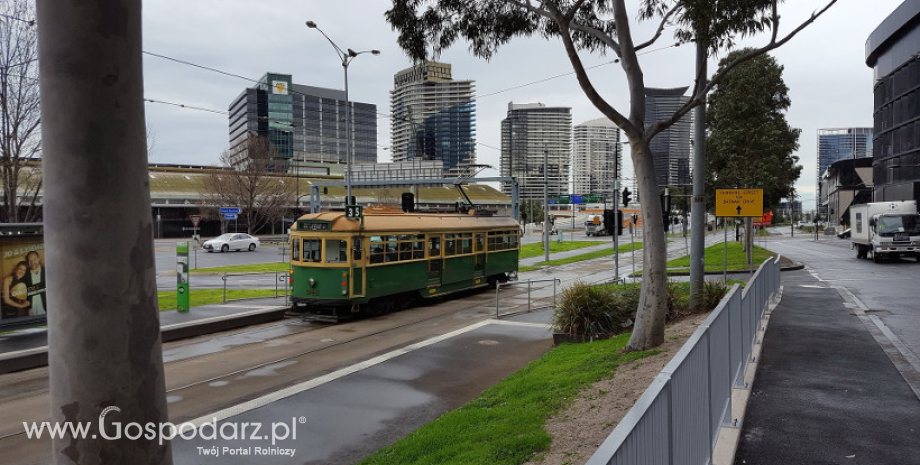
545,206
103,323
698,201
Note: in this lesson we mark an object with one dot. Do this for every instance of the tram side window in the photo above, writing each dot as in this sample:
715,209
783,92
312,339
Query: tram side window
336,251
312,250
418,247
466,243
450,245
502,240
376,251
295,248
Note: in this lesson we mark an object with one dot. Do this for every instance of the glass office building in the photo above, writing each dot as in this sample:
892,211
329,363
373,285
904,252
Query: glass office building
671,147
306,125
840,144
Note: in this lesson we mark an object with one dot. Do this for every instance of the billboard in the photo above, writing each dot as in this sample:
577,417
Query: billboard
22,270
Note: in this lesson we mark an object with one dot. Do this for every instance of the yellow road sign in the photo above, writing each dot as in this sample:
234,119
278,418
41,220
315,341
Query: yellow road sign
739,202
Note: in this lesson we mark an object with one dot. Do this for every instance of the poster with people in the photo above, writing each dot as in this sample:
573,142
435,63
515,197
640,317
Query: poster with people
23,272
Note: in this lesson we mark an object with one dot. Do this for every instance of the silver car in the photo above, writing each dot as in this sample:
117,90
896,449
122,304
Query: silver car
231,241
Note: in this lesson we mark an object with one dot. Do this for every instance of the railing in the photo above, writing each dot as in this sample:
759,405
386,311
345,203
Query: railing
679,417
529,284
279,277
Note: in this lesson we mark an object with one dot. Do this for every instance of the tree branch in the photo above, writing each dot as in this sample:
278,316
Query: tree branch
698,96
661,26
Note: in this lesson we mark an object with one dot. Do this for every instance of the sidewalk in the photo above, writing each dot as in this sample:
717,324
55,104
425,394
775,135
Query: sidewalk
825,391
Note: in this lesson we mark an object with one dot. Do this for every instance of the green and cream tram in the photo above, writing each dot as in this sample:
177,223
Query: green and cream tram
387,258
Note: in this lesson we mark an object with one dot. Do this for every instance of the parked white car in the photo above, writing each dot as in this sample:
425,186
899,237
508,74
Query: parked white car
231,241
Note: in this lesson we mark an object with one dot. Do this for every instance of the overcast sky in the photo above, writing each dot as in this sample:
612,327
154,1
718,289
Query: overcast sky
830,84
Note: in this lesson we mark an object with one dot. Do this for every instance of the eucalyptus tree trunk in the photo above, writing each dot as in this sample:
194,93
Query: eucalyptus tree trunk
648,331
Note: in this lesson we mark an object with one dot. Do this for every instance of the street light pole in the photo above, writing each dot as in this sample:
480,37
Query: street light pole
346,56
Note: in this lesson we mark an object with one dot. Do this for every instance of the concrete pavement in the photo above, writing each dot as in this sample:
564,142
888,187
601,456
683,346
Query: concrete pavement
826,392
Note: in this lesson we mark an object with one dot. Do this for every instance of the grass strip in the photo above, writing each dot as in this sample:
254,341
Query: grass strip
199,297
256,268
714,256
585,256
505,425
536,249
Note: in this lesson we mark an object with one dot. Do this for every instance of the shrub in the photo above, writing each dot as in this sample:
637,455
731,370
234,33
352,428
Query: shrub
598,311
593,311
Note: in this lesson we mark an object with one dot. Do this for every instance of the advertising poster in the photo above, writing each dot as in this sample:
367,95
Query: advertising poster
22,268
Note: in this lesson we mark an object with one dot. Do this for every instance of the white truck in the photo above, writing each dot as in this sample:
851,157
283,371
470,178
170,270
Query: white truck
887,229
594,226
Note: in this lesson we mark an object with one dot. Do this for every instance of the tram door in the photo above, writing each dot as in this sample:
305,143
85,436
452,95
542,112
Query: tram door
479,268
435,262
358,284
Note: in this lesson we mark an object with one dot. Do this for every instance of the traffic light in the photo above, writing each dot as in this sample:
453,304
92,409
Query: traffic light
627,196
408,202
609,221
666,210
619,222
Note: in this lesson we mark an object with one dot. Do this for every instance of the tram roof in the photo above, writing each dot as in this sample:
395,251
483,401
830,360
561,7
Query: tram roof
397,221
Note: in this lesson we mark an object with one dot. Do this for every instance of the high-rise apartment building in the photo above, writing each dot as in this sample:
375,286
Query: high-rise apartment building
671,147
840,144
306,125
529,131
433,117
597,157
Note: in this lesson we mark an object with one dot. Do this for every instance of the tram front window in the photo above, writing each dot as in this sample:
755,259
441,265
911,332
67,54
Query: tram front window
336,251
312,250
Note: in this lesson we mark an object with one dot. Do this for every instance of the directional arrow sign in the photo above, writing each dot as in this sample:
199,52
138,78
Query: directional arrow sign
229,216
739,202
230,210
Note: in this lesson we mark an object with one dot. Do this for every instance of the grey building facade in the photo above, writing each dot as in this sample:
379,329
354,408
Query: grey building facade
835,145
529,131
893,52
597,157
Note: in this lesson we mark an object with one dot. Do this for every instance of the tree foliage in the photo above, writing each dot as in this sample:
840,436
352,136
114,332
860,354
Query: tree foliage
750,143
602,27
20,138
249,181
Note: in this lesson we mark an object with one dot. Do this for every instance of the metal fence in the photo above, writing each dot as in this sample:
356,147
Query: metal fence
529,284
678,418
257,281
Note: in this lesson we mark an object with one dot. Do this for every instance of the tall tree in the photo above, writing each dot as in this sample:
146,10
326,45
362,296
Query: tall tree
601,26
20,138
750,143
250,181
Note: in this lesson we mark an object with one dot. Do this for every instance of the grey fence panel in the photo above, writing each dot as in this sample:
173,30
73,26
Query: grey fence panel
678,418
720,370
690,403
643,436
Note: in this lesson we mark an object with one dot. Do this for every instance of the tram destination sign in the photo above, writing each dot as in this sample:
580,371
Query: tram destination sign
739,202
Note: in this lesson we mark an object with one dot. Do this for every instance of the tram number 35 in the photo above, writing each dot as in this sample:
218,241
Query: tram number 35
353,211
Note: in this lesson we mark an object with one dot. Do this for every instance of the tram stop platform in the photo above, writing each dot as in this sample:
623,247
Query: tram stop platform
28,348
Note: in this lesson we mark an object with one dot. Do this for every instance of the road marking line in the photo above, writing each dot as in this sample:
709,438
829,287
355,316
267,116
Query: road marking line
904,360
316,382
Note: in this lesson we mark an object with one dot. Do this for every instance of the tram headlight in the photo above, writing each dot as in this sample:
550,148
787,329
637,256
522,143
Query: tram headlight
312,282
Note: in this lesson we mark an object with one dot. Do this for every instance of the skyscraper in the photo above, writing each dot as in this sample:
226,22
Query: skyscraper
305,124
840,144
529,130
433,117
671,147
596,158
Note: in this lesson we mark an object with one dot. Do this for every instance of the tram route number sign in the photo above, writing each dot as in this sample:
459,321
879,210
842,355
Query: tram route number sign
739,202
353,212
